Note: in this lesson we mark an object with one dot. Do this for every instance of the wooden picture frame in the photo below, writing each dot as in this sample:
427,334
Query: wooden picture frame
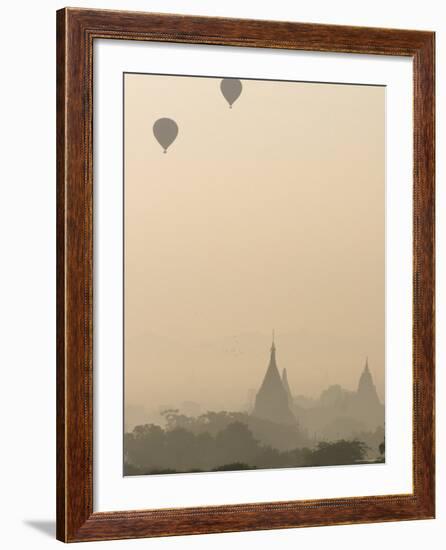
76,31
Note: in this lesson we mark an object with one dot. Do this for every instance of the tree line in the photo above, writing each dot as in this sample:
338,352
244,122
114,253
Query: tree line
218,442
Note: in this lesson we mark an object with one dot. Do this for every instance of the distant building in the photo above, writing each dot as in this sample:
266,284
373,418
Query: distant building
287,388
272,400
342,413
366,406
337,413
250,400
366,387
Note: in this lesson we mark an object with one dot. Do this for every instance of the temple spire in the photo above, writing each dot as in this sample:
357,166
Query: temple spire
366,386
273,352
272,399
286,387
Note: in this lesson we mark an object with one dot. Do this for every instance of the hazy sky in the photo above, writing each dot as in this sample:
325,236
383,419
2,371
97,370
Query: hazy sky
267,215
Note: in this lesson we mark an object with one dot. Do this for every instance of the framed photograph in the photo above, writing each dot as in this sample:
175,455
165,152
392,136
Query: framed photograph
245,275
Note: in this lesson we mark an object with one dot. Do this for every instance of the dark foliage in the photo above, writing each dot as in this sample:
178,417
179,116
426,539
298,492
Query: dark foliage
233,467
218,442
279,436
336,453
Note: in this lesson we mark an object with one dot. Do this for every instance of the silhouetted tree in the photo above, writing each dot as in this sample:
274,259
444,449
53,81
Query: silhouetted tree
235,443
339,452
150,449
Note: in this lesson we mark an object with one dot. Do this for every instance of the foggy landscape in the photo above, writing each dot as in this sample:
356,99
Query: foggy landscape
252,205
275,429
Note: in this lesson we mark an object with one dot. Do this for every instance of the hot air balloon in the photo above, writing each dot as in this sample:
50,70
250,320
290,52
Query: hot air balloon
165,131
231,88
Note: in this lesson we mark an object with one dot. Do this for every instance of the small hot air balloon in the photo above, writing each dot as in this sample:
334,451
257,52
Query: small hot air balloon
231,88
165,130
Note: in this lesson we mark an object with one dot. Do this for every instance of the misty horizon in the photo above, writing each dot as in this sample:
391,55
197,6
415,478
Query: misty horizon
236,350
274,428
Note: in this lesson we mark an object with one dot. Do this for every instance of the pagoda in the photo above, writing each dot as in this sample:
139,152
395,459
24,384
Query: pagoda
273,399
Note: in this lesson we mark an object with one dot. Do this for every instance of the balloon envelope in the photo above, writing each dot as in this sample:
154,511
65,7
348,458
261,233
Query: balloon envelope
231,88
165,130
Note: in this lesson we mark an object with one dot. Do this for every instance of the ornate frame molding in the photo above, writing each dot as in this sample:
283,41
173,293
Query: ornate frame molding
76,31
